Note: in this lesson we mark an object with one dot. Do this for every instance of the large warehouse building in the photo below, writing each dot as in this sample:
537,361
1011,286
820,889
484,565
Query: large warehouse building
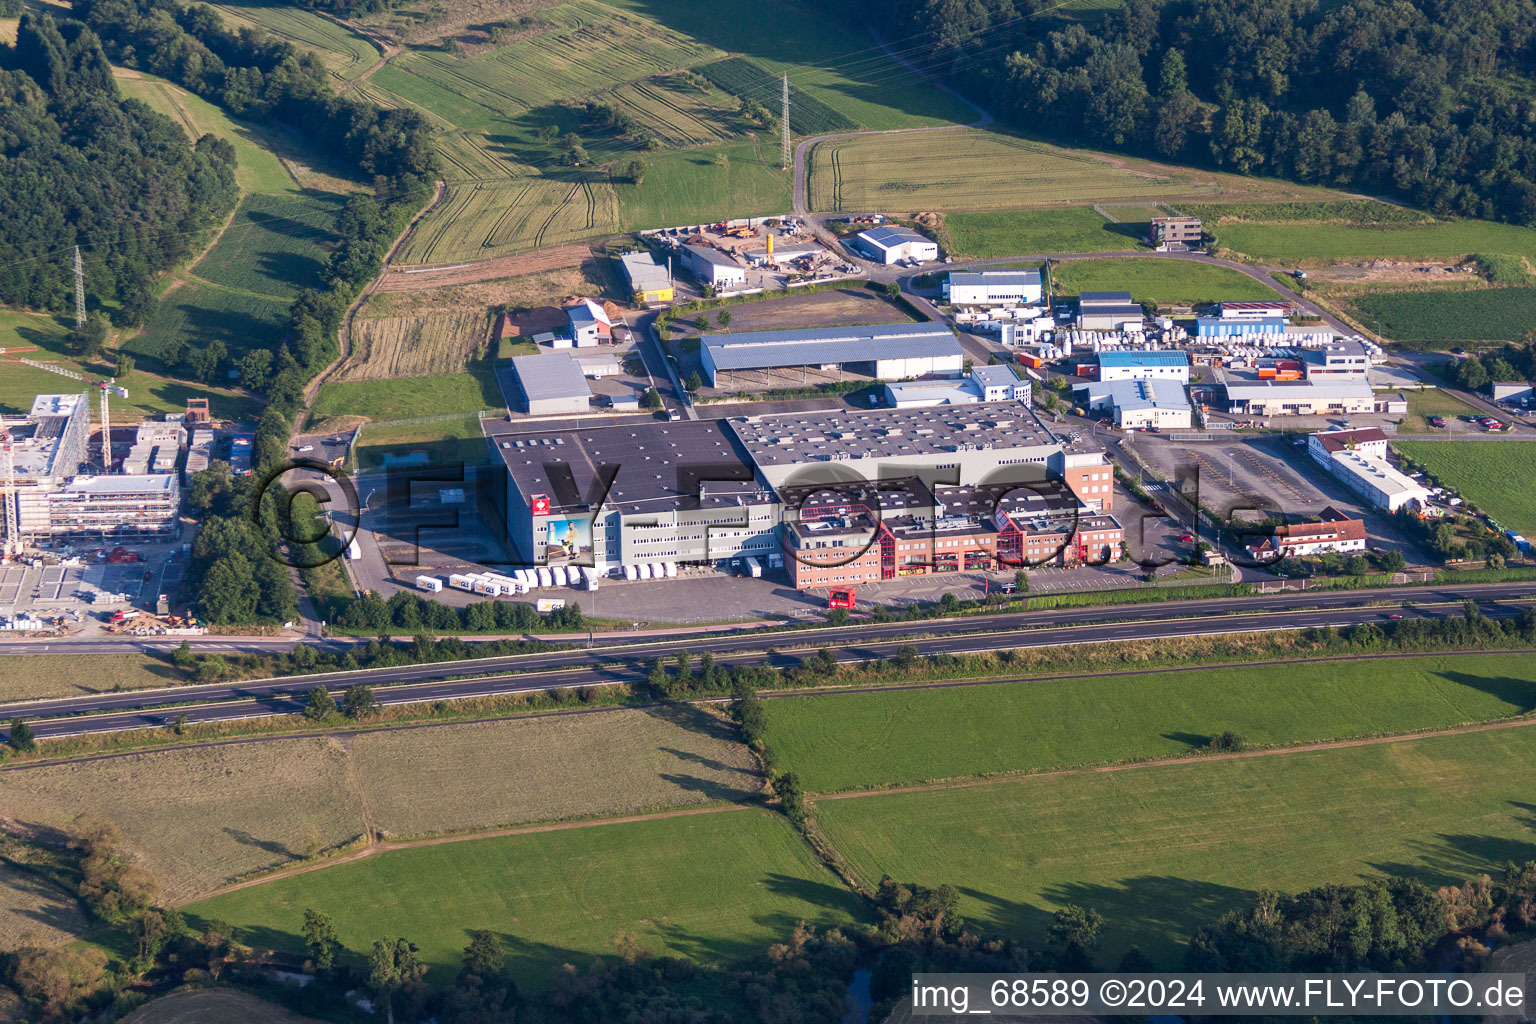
1359,459
892,243
1108,311
883,352
648,281
1125,365
709,491
1138,404
993,288
1298,398
551,383
713,267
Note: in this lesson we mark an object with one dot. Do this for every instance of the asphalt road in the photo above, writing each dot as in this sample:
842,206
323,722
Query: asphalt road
625,662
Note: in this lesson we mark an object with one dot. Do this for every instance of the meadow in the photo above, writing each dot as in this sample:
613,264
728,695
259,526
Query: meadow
33,909
900,737
1161,849
1427,402
714,887
274,244
994,234
403,398
451,442
976,169
40,337
1313,242
1498,477
415,346
345,53
1156,280
1441,319
253,806
742,76
28,677
202,313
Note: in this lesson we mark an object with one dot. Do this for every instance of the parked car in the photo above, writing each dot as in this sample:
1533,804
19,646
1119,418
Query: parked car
1437,421
1185,538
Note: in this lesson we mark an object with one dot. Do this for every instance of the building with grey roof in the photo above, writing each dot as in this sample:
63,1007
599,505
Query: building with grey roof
882,351
1138,404
713,267
891,243
993,288
648,281
1107,311
550,383
1298,398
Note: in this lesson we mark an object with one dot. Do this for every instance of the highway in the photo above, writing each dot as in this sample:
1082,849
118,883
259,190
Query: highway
110,712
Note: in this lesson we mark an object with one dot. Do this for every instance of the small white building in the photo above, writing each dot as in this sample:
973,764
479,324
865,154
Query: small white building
993,288
892,243
1000,384
985,384
590,325
1123,365
552,383
713,267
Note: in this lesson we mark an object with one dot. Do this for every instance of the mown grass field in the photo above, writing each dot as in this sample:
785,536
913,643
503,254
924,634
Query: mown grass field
346,54
977,169
149,394
201,817
275,245
1151,279
403,398
1314,242
415,346
213,1006
1498,477
29,677
1441,319
712,887
993,234
34,910
201,313
1161,849
1427,402
858,741
452,442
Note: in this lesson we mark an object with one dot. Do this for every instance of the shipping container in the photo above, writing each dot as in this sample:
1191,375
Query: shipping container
645,570
463,581
558,572
671,568
631,573
488,588
549,604
546,578
431,584
754,568
354,550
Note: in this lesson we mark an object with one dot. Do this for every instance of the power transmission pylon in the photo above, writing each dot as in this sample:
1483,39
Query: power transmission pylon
79,290
784,156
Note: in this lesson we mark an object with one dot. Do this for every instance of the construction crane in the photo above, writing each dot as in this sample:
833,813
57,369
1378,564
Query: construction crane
12,548
106,387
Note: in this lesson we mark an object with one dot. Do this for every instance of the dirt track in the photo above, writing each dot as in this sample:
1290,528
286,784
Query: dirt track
415,279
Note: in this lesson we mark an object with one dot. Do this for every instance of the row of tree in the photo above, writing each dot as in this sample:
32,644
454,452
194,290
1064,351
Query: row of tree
1425,98
79,165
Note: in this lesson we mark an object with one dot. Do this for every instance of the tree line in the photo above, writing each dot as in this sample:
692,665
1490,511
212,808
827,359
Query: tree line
1427,99
80,165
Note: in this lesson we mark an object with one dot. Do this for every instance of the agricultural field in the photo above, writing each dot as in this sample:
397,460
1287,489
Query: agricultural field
1172,847
33,910
40,337
1427,402
345,53
1442,319
29,677
1271,234
677,114
742,76
200,817
901,737
1157,280
1498,477
976,169
201,313
8,30
841,307
993,234
482,220
715,887
415,346
404,398
275,244
560,767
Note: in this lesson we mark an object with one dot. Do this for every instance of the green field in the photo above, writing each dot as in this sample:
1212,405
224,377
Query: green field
1440,319
149,394
409,397
1159,850
1313,242
201,313
275,245
345,53
1498,477
1157,280
1427,402
993,234
858,741
455,442
712,887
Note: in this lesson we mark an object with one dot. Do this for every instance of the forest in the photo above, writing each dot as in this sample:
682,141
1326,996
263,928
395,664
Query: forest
1429,100
79,165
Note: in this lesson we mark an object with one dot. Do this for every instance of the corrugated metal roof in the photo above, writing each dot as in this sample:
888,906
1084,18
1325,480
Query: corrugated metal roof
1299,388
892,235
714,256
644,273
1143,359
986,277
550,375
761,350
1104,298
